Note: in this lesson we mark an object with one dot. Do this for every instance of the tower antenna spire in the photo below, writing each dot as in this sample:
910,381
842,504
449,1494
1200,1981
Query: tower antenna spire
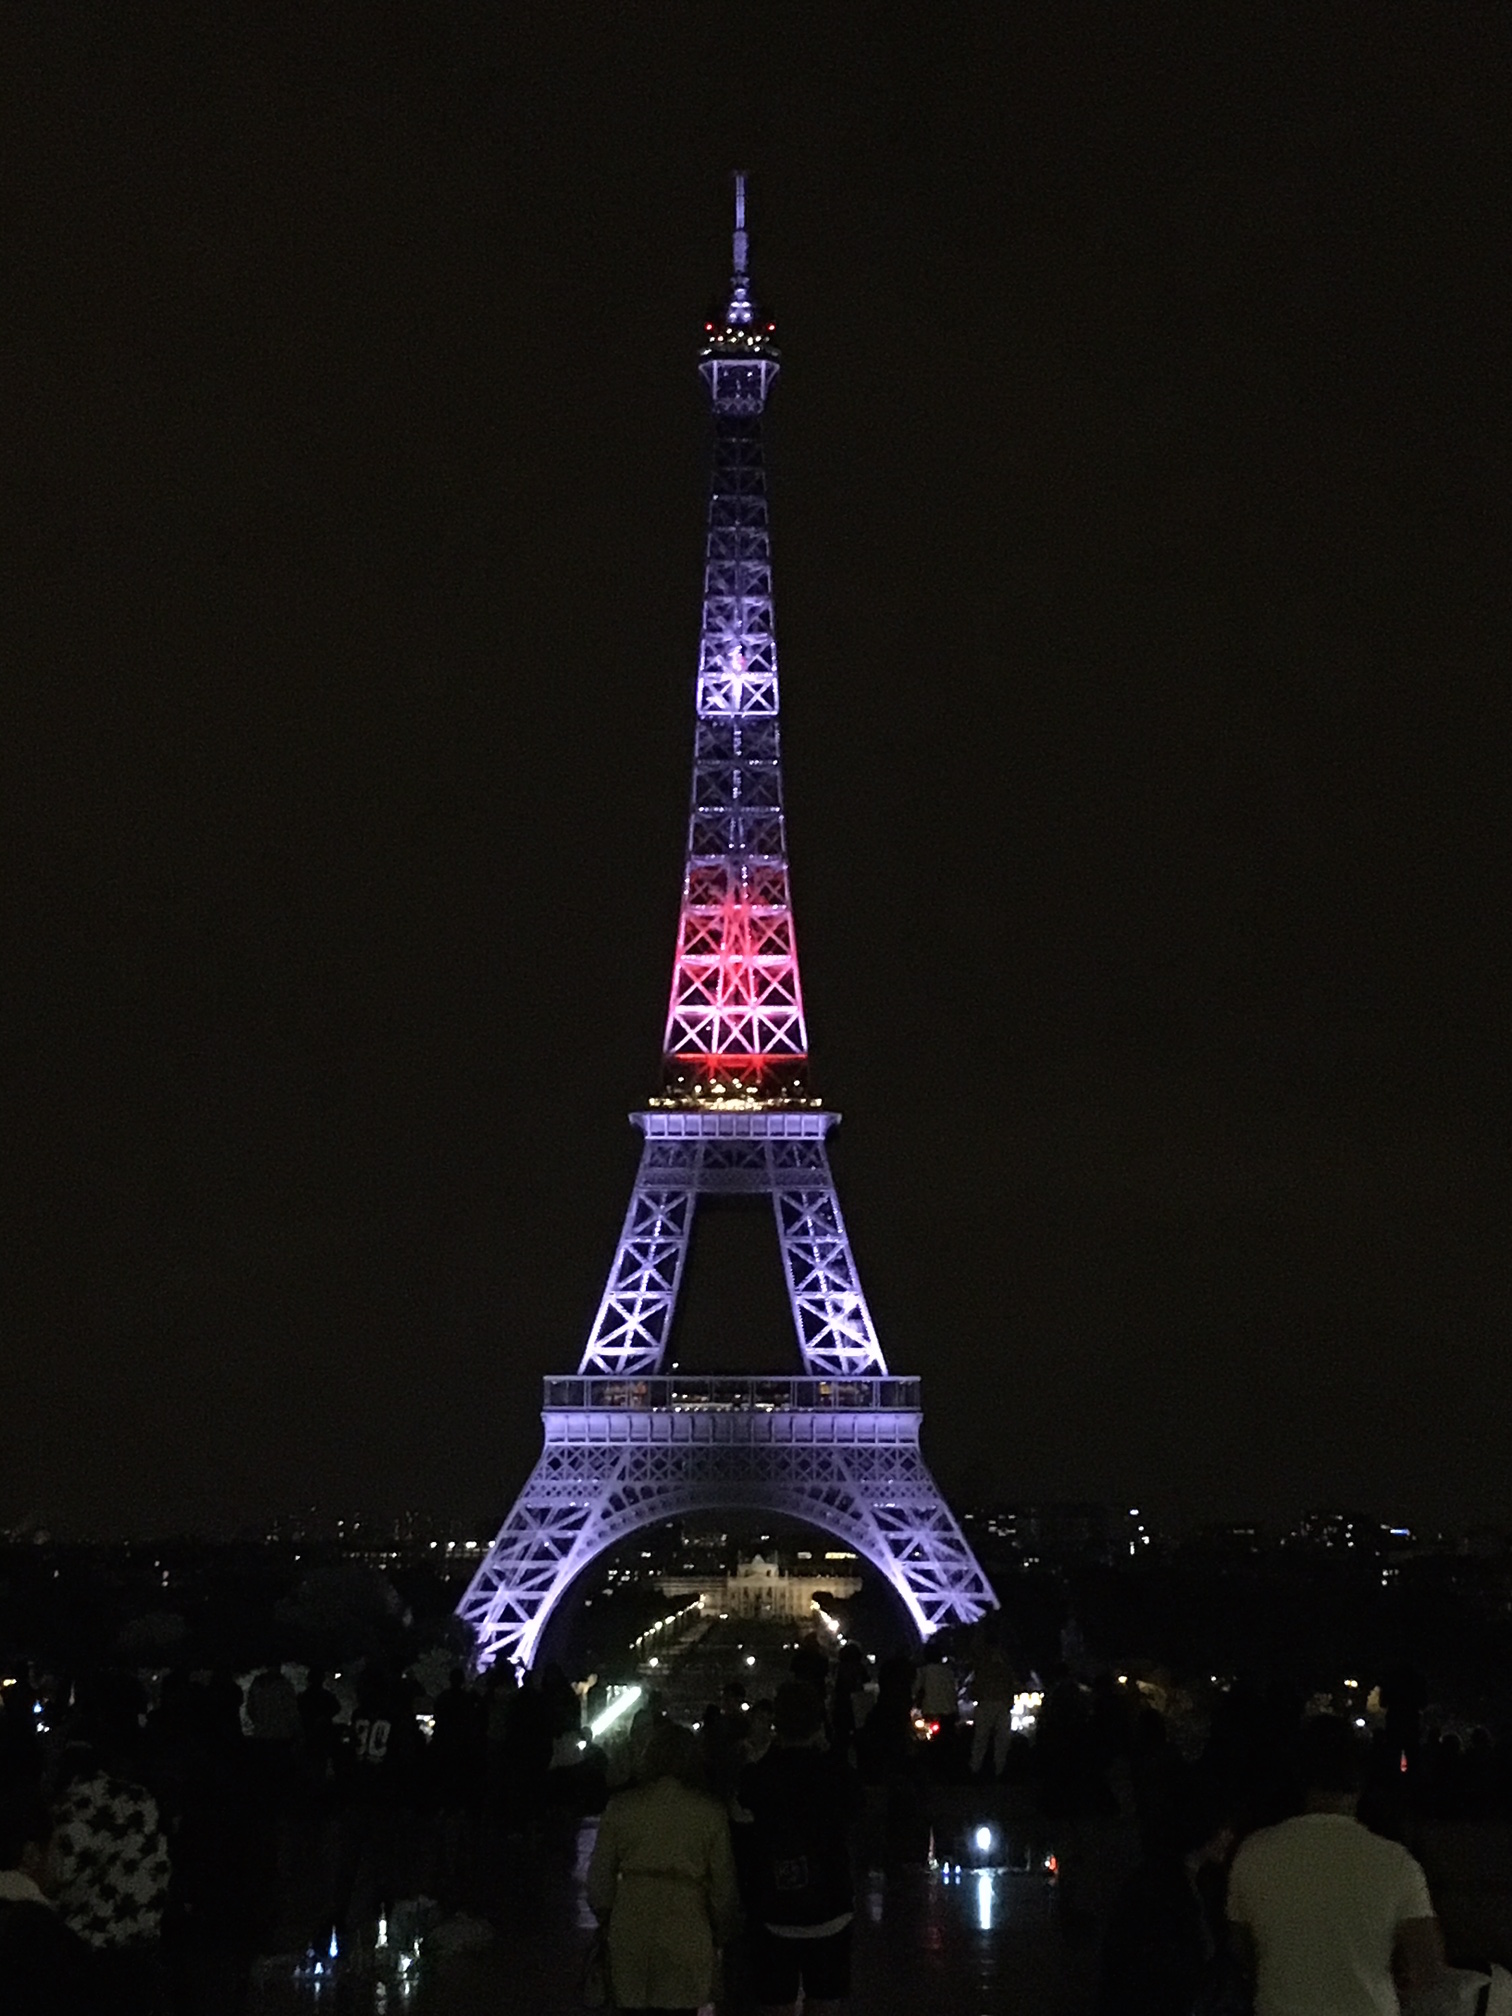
742,244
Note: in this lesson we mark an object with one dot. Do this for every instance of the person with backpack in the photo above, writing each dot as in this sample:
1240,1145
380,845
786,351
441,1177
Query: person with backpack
798,1801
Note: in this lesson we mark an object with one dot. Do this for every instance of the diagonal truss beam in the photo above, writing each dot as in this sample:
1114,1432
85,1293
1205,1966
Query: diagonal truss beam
779,1155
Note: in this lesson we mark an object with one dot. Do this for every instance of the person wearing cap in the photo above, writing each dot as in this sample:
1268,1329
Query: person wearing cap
799,1798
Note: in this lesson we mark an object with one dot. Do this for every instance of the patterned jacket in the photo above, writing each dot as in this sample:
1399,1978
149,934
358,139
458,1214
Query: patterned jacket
111,1862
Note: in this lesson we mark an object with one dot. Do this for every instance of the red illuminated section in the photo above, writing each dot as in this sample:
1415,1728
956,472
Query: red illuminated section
735,1030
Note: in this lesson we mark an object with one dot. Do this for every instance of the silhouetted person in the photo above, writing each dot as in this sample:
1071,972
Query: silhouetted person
849,1704
273,1748
994,1685
938,1700
457,1762
456,1745
810,1663
499,1689
1065,1752
20,1752
559,1698
724,1742
1404,1695
1156,1779
380,1786
222,1892
1111,1728
525,1762
799,1902
222,1707
895,1758
760,1730
318,1710
1165,1943
46,1969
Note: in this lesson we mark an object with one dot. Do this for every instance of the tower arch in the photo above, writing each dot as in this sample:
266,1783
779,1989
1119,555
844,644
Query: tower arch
609,1472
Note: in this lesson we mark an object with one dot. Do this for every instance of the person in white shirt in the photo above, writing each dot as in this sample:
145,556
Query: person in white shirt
1331,1919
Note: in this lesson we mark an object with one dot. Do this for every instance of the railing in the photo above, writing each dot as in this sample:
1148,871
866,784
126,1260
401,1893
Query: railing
691,1393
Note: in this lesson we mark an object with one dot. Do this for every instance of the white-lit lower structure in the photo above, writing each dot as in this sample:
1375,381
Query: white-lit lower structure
622,1455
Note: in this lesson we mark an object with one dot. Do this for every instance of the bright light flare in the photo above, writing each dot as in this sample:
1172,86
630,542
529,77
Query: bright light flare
1024,1715
616,1712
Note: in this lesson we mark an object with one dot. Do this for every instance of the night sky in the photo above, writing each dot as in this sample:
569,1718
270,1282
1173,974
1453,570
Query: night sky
1141,483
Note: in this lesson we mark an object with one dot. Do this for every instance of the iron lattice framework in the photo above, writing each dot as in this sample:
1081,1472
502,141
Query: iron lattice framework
735,1024
626,1446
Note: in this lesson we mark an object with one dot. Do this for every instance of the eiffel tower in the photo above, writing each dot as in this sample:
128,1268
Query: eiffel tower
628,1444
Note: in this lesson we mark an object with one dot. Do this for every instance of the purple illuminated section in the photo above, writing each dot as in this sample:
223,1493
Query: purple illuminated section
735,1029
621,1456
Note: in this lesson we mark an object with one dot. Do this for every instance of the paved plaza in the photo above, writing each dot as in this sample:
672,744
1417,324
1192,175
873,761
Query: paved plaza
983,1938
967,1932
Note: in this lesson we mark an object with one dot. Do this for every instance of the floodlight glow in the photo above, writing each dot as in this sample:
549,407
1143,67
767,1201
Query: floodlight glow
984,1899
983,1839
615,1712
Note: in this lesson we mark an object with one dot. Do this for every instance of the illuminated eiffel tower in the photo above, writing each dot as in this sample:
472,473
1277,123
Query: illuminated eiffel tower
629,1445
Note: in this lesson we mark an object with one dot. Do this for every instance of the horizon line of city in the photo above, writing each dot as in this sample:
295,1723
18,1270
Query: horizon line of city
1051,1525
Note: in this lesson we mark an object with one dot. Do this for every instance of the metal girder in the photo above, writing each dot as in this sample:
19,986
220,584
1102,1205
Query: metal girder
735,1022
586,1495
742,1153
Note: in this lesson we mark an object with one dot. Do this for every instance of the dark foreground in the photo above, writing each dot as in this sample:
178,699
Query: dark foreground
991,1935
968,1931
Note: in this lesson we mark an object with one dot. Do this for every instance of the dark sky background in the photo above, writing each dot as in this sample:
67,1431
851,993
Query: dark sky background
1141,512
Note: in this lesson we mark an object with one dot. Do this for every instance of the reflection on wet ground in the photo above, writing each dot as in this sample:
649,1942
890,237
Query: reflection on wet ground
981,1927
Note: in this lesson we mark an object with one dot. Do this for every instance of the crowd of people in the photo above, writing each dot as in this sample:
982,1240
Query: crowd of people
150,1850
147,1852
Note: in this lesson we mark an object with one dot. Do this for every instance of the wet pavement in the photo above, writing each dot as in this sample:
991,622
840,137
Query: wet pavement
980,1929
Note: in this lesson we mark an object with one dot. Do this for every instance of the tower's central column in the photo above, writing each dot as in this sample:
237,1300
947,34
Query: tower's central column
735,1030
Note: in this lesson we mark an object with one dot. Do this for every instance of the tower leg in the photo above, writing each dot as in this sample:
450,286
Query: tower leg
834,1325
634,1319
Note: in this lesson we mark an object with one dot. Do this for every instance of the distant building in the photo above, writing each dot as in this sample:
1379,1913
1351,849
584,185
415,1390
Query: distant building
1335,1532
1054,1533
762,1588
1231,1541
